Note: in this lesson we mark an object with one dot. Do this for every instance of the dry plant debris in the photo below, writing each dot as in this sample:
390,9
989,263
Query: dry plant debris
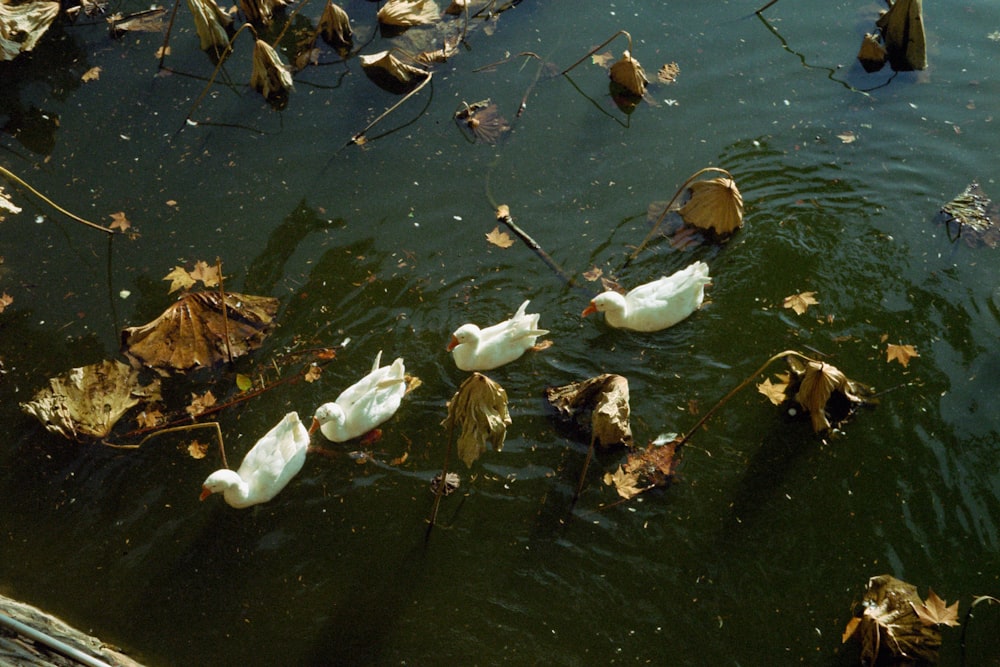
479,409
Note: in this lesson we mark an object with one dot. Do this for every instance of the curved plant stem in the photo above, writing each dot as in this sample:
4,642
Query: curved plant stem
360,136
439,492
166,36
218,66
601,46
666,209
176,429
225,310
765,6
968,617
15,178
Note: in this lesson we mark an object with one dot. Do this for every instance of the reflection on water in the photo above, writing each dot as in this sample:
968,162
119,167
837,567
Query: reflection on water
768,534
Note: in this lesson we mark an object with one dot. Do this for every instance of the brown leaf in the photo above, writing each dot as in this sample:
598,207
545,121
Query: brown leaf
391,73
775,392
313,373
499,238
600,403
479,409
668,73
715,204
628,73
5,300
643,470
603,59
593,274
800,302
815,385
889,623
197,450
408,12
92,74
179,279
192,332
200,404
483,120
206,273
935,611
335,26
270,76
88,401
119,221
900,353
149,418
625,483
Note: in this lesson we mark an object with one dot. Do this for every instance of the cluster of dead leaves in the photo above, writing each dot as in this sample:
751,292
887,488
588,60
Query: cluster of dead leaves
893,621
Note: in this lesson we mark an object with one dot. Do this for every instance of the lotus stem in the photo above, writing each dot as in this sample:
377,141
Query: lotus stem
225,310
765,6
218,66
666,209
503,215
586,464
359,137
166,37
16,179
439,491
968,617
601,46
176,429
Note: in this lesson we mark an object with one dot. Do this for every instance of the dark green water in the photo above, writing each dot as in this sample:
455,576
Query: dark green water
754,556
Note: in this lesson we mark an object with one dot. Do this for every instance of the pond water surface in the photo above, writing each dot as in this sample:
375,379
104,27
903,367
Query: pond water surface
757,552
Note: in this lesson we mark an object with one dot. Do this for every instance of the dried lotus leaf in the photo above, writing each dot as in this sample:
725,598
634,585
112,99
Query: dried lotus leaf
406,13
715,204
261,12
605,399
270,77
192,332
872,55
391,73
974,215
457,7
479,407
903,30
21,25
825,392
88,401
212,24
890,626
629,74
335,26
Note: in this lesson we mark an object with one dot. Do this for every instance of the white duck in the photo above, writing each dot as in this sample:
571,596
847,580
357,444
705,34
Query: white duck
266,469
364,405
476,349
656,305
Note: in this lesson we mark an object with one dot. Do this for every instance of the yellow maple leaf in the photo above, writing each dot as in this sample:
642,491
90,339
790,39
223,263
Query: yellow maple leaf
603,59
775,391
500,238
119,221
625,483
197,450
149,418
313,373
900,353
92,74
668,73
179,279
935,611
5,300
800,302
208,274
199,404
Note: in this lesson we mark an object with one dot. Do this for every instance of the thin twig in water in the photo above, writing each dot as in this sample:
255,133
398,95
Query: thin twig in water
360,136
14,177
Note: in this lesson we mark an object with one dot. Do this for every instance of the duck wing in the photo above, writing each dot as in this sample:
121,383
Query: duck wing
275,459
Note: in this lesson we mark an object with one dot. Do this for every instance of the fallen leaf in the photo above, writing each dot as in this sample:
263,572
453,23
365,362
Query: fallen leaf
603,59
179,279
593,274
825,392
774,392
935,611
628,73
149,418
88,401
206,273
270,76
668,73
5,300
800,302
313,373
900,353
92,74
406,13
847,137
335,26
119,221
199,404
162,52
391,73
890,623
499,238
479,409
599,405
243,382
715,204
483,120
974,215
625,483
197,450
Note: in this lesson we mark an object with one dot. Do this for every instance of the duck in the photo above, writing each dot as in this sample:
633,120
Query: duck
266,469
475,349
364,405
655,305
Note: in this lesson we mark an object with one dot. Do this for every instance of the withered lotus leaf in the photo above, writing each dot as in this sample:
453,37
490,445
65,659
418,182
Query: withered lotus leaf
479,409
903,30
192,332
975,216
335,26
628,73
211,22
22,24
271,77
406,13
457,7
889,624
872,55
88,401
605,399
715,204
391,73
261,11
825,392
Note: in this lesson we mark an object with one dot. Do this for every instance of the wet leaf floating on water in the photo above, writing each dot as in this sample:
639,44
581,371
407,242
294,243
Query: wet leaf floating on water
825,392
774,391
192,332
88,401
479,409
22,25
483,121
715,204
872,55
903,32
211,23
600,403
150,20
800,302
119,221
900,353
390,73
261,12
335,27
5,300
889,625
448,49
628,73
975,215
7,205
92,74
499,238
935,611
406,13
604,60
270,77
197,450
668,73
645,469
200,404
181,278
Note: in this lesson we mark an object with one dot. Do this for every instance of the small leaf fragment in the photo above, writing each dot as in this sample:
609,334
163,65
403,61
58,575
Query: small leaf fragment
179,279
499,238
900,353
197,450
800,302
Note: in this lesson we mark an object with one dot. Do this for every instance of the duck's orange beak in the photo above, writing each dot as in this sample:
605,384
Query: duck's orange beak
589,310
205,493
452,344
315,425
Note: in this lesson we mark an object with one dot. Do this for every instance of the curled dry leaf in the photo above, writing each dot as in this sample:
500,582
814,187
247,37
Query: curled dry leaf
600,403
668,73
872,55
645,469
628,73
825,392
5,300
975,217
149,20
88,401
900,353
212,24
889,625
261,12
192,332
715,204
270,77
405,13
335,26
483,121
390,73
903,31
479,409
197,450
22,24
